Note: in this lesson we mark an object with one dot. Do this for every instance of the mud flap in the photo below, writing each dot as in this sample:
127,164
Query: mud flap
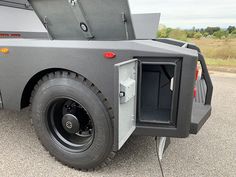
164,143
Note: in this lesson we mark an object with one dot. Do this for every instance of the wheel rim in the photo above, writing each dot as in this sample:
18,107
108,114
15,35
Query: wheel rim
70,124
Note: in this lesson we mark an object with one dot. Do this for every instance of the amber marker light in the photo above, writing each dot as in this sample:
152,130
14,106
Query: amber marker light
4,50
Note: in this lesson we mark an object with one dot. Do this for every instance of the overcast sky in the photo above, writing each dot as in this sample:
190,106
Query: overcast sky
175,13
189,13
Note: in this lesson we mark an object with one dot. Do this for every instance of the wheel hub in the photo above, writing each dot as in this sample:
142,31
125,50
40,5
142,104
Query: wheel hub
70,123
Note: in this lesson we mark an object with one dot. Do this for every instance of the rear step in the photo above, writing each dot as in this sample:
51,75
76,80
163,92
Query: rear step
200,114
200,111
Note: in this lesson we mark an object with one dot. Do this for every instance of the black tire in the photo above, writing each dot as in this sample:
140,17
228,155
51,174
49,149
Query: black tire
57,87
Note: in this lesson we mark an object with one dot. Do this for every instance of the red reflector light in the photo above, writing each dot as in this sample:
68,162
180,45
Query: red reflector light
109,55
195,92
196,74
4,35
12,35
16,35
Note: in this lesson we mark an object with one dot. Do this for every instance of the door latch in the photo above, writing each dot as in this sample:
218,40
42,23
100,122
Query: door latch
127,90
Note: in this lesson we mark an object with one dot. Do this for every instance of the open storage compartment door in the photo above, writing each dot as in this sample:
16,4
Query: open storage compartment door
126,80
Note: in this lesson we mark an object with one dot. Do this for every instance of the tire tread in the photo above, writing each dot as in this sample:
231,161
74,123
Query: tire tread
95,90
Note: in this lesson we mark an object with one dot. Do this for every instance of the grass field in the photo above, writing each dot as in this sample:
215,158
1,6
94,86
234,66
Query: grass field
218,53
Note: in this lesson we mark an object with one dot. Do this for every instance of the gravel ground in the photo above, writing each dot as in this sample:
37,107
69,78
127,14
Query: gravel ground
211,153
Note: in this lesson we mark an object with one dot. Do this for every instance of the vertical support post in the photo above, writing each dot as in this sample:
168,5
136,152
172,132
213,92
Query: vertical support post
1,103
124,19
45,23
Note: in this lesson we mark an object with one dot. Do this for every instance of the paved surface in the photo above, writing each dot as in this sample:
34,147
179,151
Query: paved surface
212,153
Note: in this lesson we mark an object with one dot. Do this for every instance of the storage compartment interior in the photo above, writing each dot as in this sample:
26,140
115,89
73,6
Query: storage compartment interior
157,90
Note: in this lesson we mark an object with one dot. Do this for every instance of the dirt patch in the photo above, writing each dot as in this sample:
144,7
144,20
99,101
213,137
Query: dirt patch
222,69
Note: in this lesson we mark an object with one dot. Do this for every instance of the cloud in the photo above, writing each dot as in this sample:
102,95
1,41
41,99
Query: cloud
188,13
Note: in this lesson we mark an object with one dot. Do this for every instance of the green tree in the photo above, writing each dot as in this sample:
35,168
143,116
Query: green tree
178,34
205,34
233,34
164,32
220,34
190,33
198,35
209,32
230,29
212,30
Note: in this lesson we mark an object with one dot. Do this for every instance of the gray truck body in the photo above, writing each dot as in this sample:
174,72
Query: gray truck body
167,110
